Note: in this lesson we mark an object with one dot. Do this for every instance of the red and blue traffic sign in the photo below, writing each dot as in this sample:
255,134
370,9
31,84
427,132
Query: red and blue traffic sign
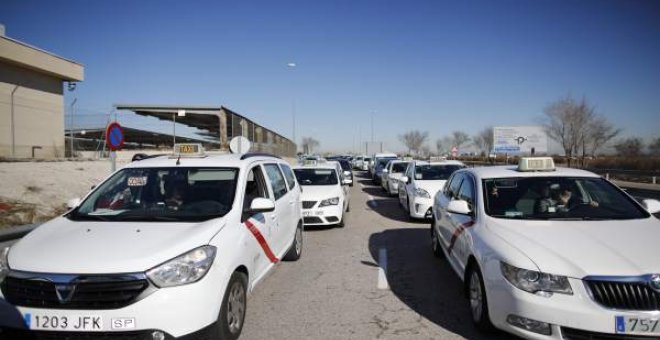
114,136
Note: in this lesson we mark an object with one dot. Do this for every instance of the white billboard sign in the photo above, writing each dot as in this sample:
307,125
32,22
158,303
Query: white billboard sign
519,139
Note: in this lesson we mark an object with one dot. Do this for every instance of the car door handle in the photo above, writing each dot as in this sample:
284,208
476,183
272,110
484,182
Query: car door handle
293,202
273,217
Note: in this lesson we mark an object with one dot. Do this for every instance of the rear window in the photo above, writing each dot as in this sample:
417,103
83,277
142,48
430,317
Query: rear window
316,176
435,172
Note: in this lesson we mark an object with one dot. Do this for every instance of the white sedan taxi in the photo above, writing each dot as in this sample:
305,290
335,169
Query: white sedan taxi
391,174
421,181
166,247
551,253
325,194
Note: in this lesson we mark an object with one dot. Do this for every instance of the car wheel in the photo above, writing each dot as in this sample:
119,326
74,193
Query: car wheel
435,242
478,301
341,223
296,247
386,188
348,207
232,312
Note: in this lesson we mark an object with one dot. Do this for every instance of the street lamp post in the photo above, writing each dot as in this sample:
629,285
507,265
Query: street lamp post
71,127
292,66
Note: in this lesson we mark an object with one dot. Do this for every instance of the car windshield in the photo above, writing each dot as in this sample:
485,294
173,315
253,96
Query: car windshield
161,194
435,171
367,159
399,167
316,176
543,198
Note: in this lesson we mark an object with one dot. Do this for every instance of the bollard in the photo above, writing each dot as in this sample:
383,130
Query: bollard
607,176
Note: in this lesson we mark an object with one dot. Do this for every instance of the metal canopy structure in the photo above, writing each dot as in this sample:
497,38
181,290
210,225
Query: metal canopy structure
88,139
218,124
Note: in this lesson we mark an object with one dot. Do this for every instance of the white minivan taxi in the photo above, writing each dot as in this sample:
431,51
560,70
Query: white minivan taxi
164,248
325,195
419,184
551,253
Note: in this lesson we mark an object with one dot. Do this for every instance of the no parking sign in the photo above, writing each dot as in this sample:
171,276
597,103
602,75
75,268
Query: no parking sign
114,136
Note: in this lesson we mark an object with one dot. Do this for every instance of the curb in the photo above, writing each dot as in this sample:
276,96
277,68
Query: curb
12,233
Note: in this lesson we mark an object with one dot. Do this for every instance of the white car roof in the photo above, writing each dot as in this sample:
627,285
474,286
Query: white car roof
327,165
504,171
224,160
446,162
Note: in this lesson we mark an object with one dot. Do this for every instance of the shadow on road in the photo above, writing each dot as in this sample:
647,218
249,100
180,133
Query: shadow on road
376,192
389,207
424,283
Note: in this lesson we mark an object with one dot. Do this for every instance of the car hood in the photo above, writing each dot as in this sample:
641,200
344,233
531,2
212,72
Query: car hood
432,187
581,248
319,192
84,247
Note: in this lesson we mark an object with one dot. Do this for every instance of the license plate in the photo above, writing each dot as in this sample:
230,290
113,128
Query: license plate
313,213
63,322
637,325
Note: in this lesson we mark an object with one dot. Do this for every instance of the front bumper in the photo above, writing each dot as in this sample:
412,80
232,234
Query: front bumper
323,216
420,207
567,315
175,311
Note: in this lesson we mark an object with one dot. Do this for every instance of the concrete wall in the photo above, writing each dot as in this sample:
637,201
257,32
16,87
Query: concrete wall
38,113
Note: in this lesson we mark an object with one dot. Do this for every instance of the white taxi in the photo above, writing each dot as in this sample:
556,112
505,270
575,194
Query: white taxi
165,247
325,193
551,253
391,174
421,181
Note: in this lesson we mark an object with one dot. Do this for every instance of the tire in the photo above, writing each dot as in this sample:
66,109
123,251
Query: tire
341,223
435,242
386,188
232,312
348,207
477,300
294,252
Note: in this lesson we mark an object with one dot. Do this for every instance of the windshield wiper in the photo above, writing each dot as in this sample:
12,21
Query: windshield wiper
87,217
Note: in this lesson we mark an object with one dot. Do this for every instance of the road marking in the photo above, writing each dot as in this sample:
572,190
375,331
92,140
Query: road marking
382,269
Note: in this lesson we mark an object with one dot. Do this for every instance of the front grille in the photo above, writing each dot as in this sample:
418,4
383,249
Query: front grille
624,295
89,292
312,220
578,334
308,204
332,219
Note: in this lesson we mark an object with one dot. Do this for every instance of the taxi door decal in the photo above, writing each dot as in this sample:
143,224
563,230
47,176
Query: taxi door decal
262,241
461,228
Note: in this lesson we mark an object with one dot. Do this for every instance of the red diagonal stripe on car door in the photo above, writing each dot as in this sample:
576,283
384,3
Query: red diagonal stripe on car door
461,228
262,241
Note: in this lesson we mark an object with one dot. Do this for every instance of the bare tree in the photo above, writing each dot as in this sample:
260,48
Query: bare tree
599,133
414,140
567,122
629,147
460,138
309,144
654,147
443,145
484,140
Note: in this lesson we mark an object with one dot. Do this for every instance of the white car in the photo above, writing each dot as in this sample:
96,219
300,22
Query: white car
549,253
325,195
163,248
391,175
419,184
375,159
365,164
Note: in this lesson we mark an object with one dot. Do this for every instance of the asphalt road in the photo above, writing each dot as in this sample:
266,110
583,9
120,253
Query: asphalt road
333,291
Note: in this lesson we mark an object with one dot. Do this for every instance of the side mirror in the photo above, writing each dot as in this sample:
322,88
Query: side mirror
73,203
261,205
404,179
459,207
347,173
385,171
651,205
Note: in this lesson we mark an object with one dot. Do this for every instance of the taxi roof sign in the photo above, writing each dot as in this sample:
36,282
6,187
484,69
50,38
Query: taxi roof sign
188,150
536,164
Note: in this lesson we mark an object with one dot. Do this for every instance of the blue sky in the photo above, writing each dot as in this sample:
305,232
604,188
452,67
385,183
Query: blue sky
436,66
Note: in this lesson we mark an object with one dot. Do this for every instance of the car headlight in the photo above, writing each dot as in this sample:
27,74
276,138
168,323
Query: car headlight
419,192
534,281
329,201
184,269
4,263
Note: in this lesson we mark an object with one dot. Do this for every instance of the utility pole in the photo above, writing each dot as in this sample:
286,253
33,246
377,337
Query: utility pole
292,67
71,127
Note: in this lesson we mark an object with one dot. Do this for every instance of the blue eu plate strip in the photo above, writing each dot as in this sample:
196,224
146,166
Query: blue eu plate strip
620,324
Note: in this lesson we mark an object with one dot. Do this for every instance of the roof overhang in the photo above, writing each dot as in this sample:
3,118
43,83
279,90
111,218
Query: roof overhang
24,55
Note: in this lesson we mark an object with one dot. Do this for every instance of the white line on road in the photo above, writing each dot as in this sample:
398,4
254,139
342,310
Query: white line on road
382,269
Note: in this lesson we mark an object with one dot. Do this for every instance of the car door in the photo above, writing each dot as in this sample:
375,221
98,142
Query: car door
283,214
344,188
410,186
403,199
293,198
260,225
458,224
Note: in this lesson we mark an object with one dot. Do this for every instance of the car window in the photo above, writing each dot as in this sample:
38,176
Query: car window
255,186
409,171
290,177
316,176
435,171
466,192
399,167
543,198
276,180
451,189
161,194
